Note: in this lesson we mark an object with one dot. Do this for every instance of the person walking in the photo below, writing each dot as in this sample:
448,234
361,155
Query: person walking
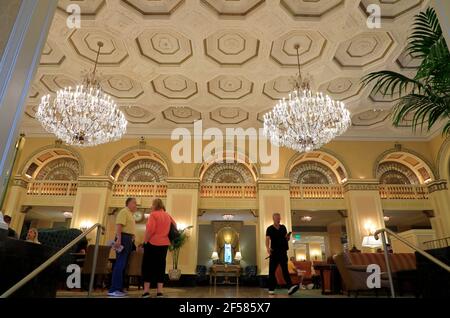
277,239
125,232
156,244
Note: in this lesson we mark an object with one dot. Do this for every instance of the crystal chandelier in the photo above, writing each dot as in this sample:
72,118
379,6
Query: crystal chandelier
306,120
83,116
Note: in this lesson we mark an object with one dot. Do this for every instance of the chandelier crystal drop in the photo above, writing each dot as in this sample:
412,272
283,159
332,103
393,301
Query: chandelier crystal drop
83,116
307,120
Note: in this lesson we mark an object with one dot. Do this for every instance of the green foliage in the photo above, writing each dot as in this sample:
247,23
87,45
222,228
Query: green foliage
423,100
176,245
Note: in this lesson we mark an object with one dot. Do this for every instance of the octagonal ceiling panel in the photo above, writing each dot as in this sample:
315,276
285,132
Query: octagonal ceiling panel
55,82
175,86
407,61
230,87
364,49
230,47
51,54
182,115
310,8
85,43
391,9
312,44
137,115
88,8
154,7
165,47
342,88
229,115
34,93
233,7
31,111
370,118
279,87
122,86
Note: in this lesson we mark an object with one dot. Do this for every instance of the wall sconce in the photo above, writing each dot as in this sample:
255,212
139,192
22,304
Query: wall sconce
85,225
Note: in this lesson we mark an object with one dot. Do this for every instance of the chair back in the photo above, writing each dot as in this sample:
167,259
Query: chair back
135,264
102,267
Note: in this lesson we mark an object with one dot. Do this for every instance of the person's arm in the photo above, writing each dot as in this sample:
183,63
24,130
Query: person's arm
150,228
269,251
118,235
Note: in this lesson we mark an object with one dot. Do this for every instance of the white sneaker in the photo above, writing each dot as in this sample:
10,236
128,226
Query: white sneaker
117,294
271,292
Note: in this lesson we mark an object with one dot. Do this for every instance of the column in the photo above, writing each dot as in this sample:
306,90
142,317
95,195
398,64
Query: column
440,200
13,206
24,26
182,205
273,197
92,202
364,210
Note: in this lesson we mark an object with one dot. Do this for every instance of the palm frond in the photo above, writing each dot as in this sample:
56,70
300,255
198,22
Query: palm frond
390,83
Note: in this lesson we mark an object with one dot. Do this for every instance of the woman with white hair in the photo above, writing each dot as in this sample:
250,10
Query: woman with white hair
32,236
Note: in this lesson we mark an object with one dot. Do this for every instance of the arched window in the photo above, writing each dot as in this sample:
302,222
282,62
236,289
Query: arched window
143,170
62,169
228,173
391,172
312,172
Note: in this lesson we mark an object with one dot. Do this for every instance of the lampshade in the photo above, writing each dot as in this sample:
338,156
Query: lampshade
215,256
371,241
238,256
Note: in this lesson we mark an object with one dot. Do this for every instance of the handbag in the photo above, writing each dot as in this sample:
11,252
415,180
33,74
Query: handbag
173,233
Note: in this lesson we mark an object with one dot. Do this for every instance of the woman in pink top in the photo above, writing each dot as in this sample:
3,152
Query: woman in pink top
156,244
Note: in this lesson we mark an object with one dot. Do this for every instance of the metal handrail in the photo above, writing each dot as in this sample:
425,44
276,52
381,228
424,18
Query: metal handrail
420,251
47,263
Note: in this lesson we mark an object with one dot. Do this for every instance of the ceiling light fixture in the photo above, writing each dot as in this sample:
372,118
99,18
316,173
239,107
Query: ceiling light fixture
84,116
228,217
306,218
306,120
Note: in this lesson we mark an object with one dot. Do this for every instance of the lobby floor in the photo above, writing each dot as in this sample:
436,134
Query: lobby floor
209,292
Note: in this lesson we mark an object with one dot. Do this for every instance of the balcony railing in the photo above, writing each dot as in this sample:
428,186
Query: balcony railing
52,188
139,189
403,192
317,191
225,190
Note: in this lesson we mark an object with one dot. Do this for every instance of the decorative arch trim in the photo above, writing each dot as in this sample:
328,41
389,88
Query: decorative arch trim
324,156
443,160
127,156
422,168
45,155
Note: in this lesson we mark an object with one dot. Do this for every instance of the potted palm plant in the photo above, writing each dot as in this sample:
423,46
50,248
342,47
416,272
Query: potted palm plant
423,100
175,247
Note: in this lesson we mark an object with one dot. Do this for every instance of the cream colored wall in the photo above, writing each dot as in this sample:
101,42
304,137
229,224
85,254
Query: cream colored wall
415,237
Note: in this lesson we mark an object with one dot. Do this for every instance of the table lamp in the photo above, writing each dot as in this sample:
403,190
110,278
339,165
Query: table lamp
371,242
238,256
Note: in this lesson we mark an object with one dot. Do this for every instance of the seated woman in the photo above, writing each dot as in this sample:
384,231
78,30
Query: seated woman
32,236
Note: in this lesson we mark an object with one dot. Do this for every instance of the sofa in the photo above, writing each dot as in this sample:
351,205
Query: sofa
352,268
305,266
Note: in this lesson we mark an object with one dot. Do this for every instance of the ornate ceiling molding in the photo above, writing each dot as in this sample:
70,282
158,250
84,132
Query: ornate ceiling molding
342,88
122,86
164,46
52,55
364,49
174,86
310,9
229,115
391,9
88,8
312,43
408,62
279,87
370,118
85,43
137,115
154,7
54,82
182,115
231,47
229,87
233,8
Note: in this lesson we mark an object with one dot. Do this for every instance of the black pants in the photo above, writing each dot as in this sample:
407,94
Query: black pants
154,263
278,258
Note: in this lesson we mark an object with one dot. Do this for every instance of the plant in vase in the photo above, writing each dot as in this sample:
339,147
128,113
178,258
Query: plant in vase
175,247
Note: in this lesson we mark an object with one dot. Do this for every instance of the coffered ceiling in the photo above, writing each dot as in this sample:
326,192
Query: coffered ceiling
168,63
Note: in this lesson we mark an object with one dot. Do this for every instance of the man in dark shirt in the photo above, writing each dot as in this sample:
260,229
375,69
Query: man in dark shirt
11,232
277,239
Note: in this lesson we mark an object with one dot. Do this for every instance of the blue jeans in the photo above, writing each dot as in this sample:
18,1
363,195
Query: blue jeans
121,263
